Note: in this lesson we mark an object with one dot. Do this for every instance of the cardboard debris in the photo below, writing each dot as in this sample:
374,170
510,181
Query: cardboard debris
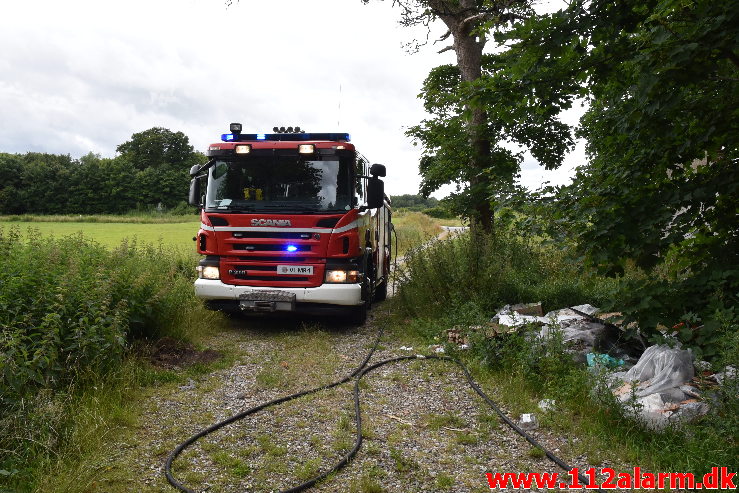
528,309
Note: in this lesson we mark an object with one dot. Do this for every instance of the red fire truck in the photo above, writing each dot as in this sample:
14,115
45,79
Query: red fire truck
291,221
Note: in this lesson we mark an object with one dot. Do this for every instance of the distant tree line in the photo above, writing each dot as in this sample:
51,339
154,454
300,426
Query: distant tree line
418,203
151,169
415,202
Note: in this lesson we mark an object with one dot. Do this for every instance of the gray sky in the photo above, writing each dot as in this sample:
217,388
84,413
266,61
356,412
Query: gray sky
83,75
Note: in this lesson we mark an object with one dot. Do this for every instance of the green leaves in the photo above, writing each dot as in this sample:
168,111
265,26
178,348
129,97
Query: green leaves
656,201
73,306
151,169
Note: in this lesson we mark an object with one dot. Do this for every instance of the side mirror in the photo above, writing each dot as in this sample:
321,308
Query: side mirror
194,170
378,170
194,197
375,192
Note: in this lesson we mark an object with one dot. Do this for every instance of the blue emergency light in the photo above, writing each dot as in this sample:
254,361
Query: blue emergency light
291,248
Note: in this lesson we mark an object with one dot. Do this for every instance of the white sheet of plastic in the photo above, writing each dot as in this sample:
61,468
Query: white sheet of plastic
506,316
659,369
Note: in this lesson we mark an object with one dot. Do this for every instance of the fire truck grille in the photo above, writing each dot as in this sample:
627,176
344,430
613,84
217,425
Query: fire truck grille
284,236
258,258
270,248
270,278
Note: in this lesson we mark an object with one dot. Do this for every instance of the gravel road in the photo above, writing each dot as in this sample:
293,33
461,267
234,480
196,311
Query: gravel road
425,429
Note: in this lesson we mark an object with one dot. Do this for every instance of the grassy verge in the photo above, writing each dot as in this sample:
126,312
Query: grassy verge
414,229
470,276
133,218
460,282
70,309
168,235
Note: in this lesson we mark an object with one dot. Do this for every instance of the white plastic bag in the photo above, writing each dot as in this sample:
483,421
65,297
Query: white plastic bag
660,368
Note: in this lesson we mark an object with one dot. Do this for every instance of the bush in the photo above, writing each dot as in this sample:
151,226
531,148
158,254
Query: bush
68,305
491,271
439,212
69,310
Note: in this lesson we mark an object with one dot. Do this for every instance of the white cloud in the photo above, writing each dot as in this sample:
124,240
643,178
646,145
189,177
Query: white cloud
83,75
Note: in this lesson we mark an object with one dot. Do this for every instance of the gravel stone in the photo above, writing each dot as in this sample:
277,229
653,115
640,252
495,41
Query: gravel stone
424,427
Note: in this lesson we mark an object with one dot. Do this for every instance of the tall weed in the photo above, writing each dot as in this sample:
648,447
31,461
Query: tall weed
414,229
489,271
69,310
68,304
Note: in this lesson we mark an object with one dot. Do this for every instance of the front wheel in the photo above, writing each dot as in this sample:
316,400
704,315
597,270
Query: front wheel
381,291
358,314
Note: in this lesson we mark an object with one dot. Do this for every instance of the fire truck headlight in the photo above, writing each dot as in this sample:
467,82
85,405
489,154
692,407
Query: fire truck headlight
342,276
209,272
336,276
242,149
306,148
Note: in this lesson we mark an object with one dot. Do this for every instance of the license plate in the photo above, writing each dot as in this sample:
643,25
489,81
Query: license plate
300,270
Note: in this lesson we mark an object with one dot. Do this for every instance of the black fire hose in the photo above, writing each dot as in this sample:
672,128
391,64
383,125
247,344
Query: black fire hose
360,372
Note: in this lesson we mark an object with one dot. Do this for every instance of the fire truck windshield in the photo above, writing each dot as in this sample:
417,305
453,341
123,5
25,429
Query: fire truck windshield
280,183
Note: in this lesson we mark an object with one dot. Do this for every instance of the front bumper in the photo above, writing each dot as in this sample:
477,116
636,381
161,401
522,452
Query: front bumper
332,294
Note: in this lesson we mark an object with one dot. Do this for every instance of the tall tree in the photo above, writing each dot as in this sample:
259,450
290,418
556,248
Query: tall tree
158,147
662,134
467,23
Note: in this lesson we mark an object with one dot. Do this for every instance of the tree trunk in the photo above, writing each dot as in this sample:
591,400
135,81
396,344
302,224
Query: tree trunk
468,48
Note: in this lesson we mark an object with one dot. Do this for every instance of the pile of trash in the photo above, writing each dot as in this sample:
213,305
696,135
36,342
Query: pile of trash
657,384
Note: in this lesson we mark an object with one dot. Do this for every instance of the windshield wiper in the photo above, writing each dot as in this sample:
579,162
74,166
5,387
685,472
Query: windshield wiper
291,207
236,208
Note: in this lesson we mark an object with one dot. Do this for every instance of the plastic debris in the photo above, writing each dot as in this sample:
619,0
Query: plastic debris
589,309
729,373
604,360
547,404
690,410
528,422
437,348
690,391
659,368
659,385
650,410
406,348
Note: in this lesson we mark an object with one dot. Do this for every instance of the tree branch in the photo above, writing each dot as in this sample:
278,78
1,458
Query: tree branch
448,33
448,48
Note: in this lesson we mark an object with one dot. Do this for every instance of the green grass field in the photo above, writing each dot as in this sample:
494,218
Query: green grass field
110,234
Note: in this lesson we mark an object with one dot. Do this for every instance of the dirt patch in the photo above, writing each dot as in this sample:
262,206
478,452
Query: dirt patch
171,353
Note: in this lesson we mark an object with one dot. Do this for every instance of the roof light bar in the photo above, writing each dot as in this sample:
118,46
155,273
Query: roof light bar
338,136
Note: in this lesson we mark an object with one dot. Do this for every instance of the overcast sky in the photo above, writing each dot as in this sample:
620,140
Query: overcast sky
84,75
